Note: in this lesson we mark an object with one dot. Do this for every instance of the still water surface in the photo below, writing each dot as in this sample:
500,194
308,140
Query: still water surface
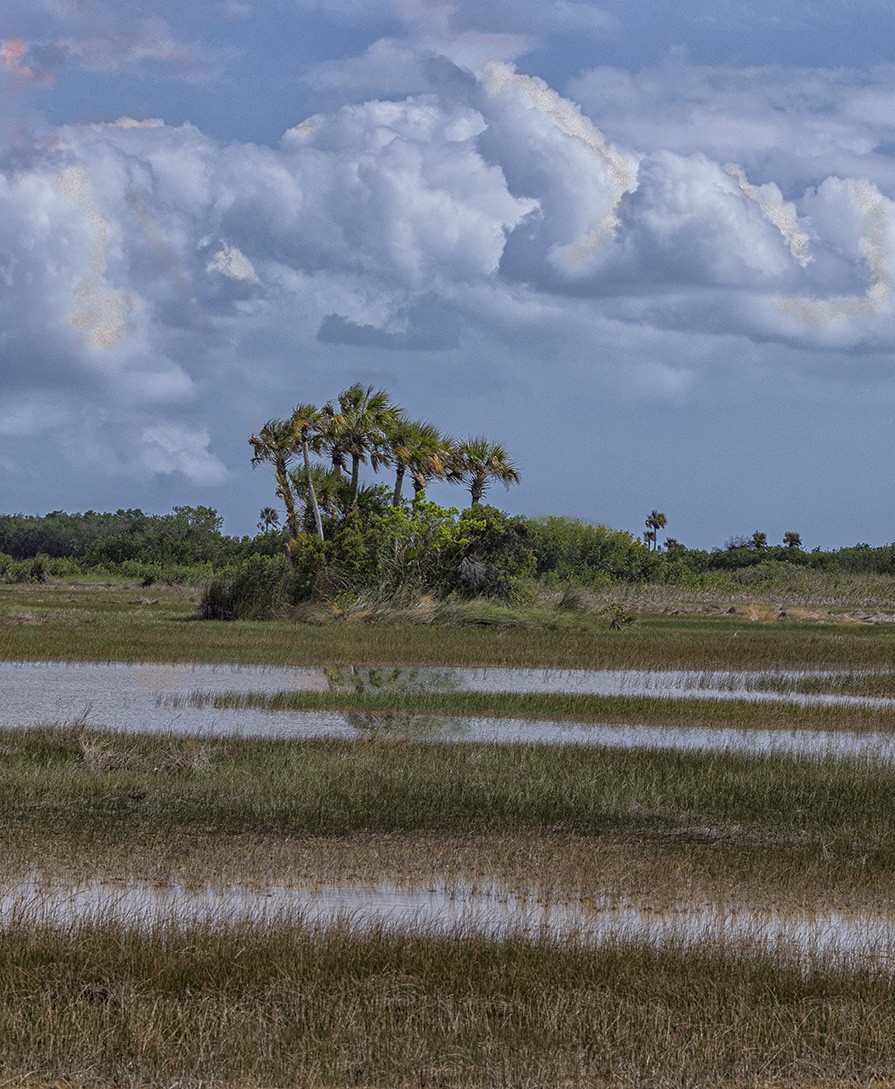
159,698
485,908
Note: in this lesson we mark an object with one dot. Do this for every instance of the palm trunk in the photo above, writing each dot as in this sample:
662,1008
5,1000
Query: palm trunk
355,475
399,484
477,489
312,495
284,491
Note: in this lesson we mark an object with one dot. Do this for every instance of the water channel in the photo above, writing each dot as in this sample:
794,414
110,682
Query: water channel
178,699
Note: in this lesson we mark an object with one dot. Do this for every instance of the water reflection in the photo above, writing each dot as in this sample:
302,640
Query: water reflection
377,723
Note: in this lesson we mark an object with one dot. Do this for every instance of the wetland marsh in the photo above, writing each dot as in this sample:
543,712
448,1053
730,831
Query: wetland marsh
347,852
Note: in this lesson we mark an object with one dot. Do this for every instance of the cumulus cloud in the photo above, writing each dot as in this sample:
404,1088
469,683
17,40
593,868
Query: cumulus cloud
171,448
790,125
101,312
190,288
875,244
619,171
234,264
782,213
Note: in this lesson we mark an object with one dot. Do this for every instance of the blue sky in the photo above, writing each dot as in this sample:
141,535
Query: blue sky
648,247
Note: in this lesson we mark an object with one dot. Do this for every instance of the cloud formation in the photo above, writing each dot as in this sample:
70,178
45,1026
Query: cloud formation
619,171
782,213
486,239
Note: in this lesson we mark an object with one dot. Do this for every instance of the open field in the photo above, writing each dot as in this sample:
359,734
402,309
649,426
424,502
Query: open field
599,833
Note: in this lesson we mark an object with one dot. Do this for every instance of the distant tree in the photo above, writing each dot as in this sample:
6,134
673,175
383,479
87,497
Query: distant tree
792,540
270,519
654,523
759,540
674,549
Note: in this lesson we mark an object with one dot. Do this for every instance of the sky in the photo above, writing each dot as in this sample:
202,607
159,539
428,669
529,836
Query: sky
648,247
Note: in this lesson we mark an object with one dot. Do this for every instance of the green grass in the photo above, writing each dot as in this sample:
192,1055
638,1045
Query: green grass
89,623
391,708
107,787
280,1007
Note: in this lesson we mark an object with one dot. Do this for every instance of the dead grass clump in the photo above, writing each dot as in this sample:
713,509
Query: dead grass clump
760,614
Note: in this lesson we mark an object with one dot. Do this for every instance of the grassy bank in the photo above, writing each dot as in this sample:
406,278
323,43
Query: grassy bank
113,623
104,1005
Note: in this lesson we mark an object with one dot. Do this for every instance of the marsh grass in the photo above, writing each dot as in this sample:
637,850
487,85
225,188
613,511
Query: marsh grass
131,789
258,1005
863,683
672,711
280,1006
669,874
114,623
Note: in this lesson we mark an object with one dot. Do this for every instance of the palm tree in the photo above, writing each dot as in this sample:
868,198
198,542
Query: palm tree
420,449
479,462
654,523
759,540
275,444
329,489
357,428
270,519
792,540
309,425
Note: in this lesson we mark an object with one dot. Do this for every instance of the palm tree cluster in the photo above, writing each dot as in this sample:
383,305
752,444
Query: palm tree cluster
363,426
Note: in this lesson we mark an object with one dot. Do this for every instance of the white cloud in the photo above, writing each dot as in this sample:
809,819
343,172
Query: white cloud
782,213
619,171
172,448
224,281
233,263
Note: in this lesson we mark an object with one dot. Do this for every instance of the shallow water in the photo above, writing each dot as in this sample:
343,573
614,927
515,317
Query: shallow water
161,699
485,908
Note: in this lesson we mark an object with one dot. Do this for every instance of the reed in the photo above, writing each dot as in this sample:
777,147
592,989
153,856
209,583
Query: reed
391,708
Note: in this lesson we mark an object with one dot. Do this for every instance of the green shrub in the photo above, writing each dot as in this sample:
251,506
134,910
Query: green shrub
567,549
255,589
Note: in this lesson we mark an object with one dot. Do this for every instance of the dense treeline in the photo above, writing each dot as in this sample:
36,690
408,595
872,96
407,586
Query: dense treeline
564,549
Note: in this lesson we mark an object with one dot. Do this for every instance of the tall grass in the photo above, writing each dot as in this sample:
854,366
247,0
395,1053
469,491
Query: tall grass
222,1007
393,707
111,787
